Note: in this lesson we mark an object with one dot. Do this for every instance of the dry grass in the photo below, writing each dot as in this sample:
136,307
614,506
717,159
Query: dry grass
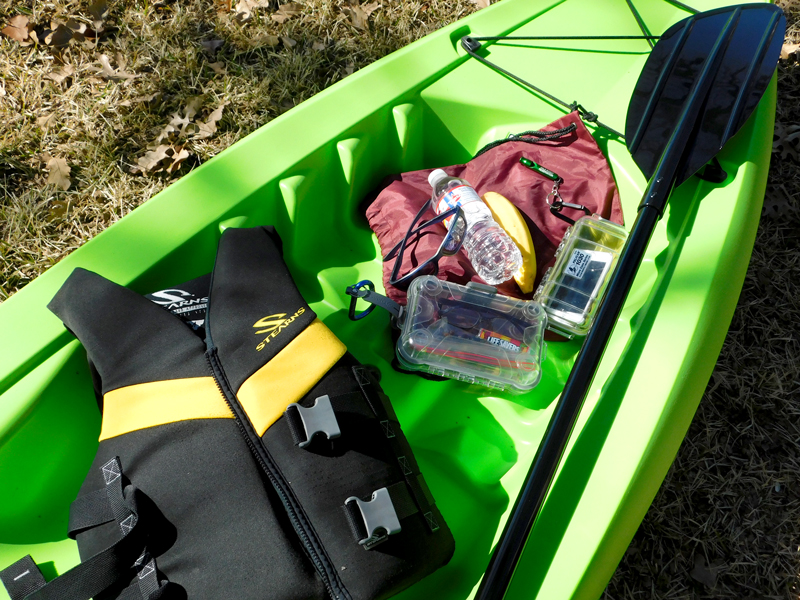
102,127
726,523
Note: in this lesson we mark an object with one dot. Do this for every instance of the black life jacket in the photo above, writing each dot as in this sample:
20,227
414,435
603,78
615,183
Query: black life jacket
262,462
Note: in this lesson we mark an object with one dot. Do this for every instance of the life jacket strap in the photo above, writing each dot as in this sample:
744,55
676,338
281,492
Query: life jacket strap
22,578
384,411
24,581
89,510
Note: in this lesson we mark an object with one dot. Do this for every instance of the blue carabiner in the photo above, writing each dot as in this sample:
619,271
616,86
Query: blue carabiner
358,291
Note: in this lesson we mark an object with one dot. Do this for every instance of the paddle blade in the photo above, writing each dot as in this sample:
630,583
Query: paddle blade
738,46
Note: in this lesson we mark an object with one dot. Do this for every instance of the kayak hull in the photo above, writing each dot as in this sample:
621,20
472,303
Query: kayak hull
427,105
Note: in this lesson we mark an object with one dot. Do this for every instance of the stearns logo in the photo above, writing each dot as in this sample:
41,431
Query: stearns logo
273,325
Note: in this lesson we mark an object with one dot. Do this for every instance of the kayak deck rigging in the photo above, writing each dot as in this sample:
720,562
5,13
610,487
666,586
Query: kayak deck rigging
471,45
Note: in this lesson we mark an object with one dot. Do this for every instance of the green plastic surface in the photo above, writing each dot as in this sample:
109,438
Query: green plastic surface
427,105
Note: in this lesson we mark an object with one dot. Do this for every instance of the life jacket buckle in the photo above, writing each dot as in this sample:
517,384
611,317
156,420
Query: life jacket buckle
378,515
306,422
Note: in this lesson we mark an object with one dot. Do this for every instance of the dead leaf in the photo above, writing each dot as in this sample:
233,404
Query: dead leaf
209,128
79,32
76,26
59,37
138,99
211,46
58,209
705,575
269,40
98,9
151,159
46,120
86,36
786,141
182,124
218,68
359,14
61,74
105,67
17,29
288,42
121,63
163,158
766,278
788,50
193,106
177,123
91,34
58,172
291,9
778,204
177,159
481,3
107,71
318,46
245,8
286,11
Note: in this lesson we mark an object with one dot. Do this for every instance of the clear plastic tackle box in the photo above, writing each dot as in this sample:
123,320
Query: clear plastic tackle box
571,289
473,334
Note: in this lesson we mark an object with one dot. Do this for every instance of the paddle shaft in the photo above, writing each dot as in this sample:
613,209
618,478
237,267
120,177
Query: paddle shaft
531,498
537,483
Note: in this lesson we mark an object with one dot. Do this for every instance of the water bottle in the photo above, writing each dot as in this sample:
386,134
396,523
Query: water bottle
494,256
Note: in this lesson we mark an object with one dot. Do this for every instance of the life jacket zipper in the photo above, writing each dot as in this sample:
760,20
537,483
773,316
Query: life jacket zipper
294,510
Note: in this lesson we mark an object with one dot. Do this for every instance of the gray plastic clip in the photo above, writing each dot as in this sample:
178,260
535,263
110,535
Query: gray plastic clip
319,418
380,517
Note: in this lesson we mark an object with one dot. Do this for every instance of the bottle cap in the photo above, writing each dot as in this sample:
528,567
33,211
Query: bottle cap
436,176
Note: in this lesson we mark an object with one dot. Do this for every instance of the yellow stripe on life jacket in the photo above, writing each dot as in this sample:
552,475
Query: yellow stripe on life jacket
144,405
289,375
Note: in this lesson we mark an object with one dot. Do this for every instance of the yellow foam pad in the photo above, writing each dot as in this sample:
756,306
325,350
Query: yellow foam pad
290,375
146,405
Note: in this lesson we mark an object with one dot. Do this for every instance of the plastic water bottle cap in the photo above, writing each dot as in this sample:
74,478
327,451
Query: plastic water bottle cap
436,176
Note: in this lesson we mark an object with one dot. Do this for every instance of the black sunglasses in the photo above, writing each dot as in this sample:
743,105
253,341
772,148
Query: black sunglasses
456,228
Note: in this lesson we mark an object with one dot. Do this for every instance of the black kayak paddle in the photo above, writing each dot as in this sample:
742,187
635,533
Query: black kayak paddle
701,82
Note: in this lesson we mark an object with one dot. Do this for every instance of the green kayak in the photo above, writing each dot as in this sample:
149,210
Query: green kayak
427,105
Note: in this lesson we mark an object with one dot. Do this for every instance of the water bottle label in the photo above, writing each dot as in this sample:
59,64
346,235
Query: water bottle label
469,201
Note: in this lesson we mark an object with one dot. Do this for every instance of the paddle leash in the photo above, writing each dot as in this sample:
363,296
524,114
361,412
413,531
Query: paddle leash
719,63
